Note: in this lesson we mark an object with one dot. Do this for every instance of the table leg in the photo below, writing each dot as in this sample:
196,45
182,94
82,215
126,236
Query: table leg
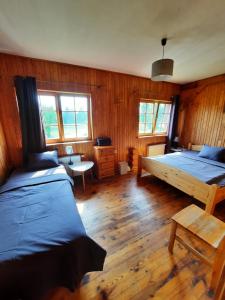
92,176
83,178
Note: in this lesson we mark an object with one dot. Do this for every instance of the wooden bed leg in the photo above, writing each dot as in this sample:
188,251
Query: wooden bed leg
139,171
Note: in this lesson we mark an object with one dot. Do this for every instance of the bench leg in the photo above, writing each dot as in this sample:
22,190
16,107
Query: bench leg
219,263
220,289
172,236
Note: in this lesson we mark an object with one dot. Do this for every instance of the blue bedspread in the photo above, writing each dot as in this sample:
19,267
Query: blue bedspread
21,178
43,243
206,170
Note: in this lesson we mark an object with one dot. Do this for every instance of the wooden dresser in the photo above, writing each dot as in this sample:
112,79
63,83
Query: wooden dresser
104,161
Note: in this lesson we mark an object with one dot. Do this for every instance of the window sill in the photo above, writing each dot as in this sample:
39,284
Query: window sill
151,136
70,142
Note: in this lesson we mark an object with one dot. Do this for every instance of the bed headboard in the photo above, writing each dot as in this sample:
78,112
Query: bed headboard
194,147
157,149
199,147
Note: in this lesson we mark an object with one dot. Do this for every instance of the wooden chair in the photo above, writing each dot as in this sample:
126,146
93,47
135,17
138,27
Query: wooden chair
204,227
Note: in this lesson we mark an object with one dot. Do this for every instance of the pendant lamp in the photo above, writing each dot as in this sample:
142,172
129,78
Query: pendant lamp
162,69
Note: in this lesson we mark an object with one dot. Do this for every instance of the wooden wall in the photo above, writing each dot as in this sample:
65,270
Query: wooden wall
4,158
114,100
202,112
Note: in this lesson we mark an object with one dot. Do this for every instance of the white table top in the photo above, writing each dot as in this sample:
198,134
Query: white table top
81,166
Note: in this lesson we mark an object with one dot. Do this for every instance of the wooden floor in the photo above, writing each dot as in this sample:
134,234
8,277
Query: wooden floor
131,220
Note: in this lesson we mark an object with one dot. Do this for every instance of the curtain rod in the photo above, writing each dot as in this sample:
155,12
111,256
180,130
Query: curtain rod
69,83
55,82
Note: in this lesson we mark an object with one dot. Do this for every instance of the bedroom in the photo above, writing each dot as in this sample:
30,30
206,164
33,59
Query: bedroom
103,52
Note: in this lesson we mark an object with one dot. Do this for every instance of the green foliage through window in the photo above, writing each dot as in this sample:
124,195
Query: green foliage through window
69,110
154,117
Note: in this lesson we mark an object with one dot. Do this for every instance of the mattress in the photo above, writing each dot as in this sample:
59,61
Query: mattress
43,241
205,170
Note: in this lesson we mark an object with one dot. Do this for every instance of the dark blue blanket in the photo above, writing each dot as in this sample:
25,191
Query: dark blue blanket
43,241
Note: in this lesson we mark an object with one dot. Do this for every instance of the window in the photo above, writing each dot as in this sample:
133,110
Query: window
154,117
65,117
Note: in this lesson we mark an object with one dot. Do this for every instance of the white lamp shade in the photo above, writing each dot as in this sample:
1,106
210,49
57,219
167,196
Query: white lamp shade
69,150
176,139
162,69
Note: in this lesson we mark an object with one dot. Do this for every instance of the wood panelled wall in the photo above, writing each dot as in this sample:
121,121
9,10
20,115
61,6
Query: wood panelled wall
114,101
202,112
4,158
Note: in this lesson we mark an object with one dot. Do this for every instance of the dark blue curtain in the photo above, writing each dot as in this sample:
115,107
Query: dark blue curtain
173,122
33,138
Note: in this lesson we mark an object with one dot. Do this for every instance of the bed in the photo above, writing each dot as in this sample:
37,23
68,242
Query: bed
198,177
43,241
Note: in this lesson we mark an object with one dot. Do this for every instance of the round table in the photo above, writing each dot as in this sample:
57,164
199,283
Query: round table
79,168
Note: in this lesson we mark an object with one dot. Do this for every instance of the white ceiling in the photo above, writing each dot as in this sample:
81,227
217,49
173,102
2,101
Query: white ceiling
119,35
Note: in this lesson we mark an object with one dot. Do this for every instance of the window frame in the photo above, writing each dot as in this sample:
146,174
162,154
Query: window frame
154,101
62,138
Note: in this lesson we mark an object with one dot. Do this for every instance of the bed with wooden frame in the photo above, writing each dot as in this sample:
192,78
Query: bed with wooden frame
209,194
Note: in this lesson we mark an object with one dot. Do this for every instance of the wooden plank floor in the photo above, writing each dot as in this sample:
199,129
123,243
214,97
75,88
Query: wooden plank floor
131,220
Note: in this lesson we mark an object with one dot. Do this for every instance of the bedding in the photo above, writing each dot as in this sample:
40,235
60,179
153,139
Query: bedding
42,160
43,241
206,170
213,153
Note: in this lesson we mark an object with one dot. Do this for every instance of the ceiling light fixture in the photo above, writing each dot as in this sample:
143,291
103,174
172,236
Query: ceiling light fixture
162,69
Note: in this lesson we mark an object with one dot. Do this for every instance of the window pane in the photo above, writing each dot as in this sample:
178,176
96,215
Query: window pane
82,131
149,118
168,107
81,117
164,127
150,107
142,107
161,128
67,103
165,118
47,102
49,117
142,118
148,128
69,131
81,104
161,108
68,118
160,118
158,127
51,132
141,128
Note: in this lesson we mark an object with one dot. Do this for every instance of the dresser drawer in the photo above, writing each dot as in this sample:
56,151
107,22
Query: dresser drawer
109,158
106,165
105,152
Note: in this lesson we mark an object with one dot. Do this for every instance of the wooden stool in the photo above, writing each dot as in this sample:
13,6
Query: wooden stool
203,227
